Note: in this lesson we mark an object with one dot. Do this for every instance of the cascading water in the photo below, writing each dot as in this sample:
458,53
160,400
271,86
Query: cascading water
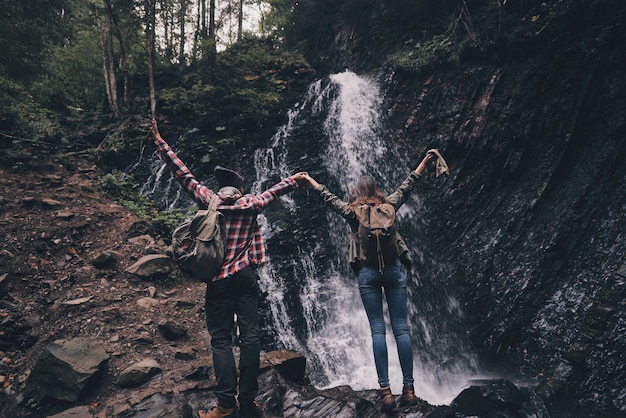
312,303
329,324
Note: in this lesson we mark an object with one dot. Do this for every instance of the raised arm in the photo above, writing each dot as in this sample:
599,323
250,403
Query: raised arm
198,192
422,165
402,193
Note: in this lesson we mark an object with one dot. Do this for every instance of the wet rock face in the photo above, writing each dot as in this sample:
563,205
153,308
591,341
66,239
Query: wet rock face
531,219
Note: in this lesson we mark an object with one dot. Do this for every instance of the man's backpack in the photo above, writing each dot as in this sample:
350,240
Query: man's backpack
376,234
198,244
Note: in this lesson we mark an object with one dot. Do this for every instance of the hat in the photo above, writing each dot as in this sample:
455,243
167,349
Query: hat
226,177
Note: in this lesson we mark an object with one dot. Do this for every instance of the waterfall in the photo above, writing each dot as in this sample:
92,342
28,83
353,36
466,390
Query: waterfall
337,132
340,124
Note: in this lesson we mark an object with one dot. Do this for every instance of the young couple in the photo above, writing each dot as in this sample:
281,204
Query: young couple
235,289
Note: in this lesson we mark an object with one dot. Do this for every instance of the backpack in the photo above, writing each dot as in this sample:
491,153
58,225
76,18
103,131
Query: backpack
376,234
198,244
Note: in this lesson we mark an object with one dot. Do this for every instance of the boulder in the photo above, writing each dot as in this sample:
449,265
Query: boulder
171,331
77,412
66,370
107,258
290,364
488,397
139,373
152,266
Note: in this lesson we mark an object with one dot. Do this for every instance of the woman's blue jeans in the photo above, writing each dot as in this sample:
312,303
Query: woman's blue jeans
371,286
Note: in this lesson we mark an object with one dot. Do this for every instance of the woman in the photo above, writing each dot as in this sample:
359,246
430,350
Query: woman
373,279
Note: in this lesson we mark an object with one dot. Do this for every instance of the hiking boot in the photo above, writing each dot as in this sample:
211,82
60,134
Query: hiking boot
389,402
218,412
408,397
250,409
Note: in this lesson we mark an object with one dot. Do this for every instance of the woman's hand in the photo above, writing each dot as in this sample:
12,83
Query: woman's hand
299,176
420,168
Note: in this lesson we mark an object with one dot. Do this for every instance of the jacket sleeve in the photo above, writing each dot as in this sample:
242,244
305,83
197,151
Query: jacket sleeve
335,203
403,192
198,192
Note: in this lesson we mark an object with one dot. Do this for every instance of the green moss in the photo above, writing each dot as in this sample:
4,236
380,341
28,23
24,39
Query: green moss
120,187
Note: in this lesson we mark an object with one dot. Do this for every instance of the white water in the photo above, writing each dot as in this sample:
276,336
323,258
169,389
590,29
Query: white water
338,342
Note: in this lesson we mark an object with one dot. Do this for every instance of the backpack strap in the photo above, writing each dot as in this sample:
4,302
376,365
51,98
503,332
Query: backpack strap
382,220
215,200
379,250
369,220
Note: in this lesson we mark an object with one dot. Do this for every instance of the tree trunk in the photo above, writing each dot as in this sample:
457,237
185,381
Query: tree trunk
150,13
212,30
240,21
108,66
204,32
181,21
123,54
212,47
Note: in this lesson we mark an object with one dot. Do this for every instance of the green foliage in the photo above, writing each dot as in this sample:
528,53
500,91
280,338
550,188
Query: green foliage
121,188
233,103
21,115
73,80
27,27
166,221
415,55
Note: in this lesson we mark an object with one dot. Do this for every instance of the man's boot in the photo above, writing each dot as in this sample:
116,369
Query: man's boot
218,412
250,409
408,397
389,402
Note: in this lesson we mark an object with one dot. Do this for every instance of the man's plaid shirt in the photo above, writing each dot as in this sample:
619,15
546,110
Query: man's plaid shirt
244,244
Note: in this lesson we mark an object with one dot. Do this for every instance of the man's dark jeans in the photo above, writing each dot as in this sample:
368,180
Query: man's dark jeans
237,294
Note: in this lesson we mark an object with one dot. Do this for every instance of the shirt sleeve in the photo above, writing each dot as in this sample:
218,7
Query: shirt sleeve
261,201
198,192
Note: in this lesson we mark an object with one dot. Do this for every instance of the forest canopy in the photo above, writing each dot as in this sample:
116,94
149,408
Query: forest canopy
85,66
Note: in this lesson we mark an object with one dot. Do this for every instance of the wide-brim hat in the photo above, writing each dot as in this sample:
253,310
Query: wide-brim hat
226,177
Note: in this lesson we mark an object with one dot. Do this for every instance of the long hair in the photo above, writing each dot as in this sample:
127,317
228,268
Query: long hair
366,191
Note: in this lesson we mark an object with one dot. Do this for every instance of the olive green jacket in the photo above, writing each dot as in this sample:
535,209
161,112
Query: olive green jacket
396,199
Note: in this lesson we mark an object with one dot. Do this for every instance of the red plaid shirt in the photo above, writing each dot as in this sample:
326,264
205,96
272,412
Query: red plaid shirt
244,244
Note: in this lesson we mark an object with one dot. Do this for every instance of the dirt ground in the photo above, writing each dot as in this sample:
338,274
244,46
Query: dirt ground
54,221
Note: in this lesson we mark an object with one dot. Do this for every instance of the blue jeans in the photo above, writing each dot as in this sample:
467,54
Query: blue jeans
371,286
236,294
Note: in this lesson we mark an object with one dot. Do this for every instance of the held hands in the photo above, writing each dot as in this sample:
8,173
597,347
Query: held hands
303,175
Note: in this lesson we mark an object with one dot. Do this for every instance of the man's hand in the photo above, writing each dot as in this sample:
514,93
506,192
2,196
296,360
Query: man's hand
154,129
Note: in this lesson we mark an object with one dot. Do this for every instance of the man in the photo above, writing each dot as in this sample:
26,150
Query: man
235,289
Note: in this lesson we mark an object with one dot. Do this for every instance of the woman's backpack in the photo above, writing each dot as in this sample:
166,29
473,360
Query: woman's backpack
198,244
376,234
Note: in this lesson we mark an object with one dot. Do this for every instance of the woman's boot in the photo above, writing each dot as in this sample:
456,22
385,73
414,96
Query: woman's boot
389,402
408,397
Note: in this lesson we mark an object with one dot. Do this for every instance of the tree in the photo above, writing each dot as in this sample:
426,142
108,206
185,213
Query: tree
182,14
108,60
150,23
240,21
